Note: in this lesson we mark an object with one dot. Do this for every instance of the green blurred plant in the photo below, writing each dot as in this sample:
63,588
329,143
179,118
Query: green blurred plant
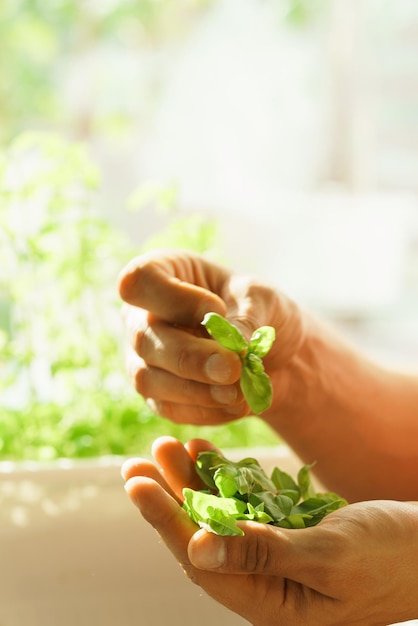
41,41
300,13
63,389
46,45
61,346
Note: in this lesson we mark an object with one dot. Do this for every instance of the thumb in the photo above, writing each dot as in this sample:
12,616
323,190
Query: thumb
265,550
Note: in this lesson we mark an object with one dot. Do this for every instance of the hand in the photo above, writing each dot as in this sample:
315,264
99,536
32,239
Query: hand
186,375
359,566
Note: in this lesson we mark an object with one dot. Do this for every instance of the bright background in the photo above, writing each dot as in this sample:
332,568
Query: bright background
279,136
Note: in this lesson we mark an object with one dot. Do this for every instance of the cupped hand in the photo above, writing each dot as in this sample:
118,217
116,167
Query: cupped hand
359,566
183,373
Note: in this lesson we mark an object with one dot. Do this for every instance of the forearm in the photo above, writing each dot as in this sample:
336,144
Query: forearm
357,420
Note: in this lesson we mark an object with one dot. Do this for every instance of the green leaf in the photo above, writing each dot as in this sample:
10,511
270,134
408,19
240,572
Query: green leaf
257,390
293,494
298,520
212,512
216,472
255,383
206,465
262,341
282,480
253,363
225,481
314,509
304,482
243,491
277,508
198,502
225,333
258,514
220,523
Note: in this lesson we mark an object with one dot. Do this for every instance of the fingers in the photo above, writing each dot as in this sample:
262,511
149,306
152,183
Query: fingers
176,529
303,556
246,574
179,351
185,401
179,288
156,383
194,446
198,415
176,464
163,512
137,467
335,572
189,379
158,494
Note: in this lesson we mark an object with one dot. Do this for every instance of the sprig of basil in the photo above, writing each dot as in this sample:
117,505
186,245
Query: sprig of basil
255,383
243,491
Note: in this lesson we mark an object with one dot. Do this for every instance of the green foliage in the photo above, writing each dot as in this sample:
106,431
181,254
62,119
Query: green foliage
42,42
243,491
300,13
63,388
255,383
60,372
193,231
42,39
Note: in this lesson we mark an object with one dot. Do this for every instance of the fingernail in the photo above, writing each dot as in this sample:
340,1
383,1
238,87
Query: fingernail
208,554
217,369
224,394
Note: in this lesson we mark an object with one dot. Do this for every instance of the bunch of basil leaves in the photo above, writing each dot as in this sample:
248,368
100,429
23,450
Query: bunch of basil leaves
243,491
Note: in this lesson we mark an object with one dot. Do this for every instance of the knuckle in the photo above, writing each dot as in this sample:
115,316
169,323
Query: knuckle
256,555
183,362
163,409
141,339
188,390
141,381
136,326
136,341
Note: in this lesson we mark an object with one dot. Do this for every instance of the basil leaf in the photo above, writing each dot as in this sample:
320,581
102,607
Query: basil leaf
282,480
253,363
255,383
262,341
225,479
225,333
317,507
206,465
197,504
243,491
304,482
220,523
277,508
258,514
246,475
257,390
298,520
255,476
285,484
293,494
